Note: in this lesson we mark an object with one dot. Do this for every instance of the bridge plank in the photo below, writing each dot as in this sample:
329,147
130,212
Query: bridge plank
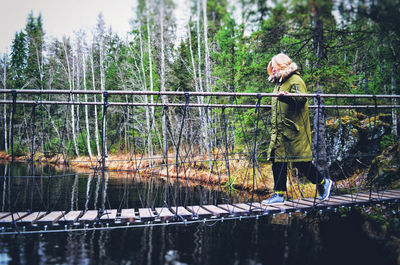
396,192
334,202
384,196
331,201
70,218
283,207
89,217
199,212
4,214
218,212
9,219
50,218
299,204
265,208
31,218
146,214
109,215
355,198
128,215
232,209
181,211
164,213
249,208
349,199
388,196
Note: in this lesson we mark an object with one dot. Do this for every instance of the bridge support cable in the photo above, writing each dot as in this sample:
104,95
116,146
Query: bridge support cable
184,152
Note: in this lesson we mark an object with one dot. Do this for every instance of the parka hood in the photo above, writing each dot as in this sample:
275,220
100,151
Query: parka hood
284,74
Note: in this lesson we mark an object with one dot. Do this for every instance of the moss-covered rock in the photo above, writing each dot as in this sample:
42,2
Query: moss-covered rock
354,141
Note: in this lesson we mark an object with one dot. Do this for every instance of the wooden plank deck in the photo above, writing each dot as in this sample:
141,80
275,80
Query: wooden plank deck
233,210
216,211
109,215
70,218
127,215
164,213
146,214
199,211
181,211
206,211
50,218
31,218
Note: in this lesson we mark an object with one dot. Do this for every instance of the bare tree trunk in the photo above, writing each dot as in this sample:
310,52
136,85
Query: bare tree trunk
206,49
39,61
149,137
393,84
150,59
71,88
96,123
195,78
162,77
318,143
86,108
204,119
4,106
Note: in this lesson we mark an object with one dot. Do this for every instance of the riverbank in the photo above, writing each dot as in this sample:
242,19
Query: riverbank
192,171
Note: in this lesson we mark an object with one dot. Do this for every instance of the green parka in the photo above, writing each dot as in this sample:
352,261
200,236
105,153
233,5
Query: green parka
290,122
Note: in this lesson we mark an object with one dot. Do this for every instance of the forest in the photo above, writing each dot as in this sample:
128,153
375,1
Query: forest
343,46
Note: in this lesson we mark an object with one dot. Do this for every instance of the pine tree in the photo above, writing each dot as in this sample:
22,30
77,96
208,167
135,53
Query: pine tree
18,60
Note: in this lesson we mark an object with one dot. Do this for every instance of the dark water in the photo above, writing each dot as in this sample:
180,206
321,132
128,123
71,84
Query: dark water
342,237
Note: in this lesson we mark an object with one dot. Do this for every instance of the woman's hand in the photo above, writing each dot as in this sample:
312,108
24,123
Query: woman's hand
283,98
281,94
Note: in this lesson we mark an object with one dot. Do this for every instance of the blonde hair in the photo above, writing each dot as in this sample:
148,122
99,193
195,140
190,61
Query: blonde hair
279,62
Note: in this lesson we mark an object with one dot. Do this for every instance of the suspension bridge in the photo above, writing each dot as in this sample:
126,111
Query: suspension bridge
213,139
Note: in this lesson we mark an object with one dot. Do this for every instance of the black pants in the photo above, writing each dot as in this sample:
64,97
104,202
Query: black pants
308,169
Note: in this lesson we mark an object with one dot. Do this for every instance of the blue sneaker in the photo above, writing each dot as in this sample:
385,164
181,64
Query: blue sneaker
275,198
324,189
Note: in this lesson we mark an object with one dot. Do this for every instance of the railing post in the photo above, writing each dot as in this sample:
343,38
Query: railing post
103,153
10,185
254,154
226,154
165,133
177,201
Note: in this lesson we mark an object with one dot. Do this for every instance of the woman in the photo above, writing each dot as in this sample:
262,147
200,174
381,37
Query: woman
290,130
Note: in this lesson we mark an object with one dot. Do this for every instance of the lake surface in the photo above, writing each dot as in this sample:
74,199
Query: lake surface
344,237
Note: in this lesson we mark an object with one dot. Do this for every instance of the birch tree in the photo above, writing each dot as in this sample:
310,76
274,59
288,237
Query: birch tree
4,82
96,123
203,119
71,88
83,56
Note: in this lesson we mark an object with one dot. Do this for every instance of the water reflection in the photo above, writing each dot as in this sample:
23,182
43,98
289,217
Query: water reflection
301,240
328,238
62,189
